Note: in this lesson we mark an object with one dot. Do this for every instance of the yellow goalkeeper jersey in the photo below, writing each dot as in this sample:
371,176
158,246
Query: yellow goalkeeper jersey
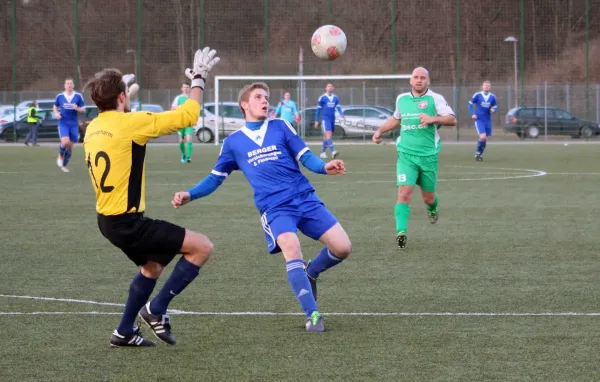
115,152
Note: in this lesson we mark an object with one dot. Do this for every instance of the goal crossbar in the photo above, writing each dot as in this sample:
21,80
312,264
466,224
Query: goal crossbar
218,80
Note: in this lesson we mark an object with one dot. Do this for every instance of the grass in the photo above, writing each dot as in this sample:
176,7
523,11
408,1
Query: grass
513,245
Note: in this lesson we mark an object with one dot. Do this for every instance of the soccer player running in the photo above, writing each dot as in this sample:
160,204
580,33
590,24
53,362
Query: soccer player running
115,150
327,105
287,110
485,104
186,146
66,106
419,113
267,151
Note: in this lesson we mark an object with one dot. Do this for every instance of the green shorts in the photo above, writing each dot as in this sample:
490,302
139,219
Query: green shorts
414,170
186,131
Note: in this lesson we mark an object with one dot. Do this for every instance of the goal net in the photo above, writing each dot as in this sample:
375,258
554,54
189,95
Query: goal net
366,100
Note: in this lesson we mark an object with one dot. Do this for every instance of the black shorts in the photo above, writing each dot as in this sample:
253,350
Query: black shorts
143,239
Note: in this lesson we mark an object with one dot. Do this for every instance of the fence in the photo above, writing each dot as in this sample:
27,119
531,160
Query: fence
517,44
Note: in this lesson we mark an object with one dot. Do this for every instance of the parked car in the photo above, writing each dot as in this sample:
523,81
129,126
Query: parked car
91,112
7,113
135,106
42,104
359,121
530,122
231,120
47,129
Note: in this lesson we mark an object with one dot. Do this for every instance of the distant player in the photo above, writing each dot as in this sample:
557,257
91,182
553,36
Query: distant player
115,151
327,105
66,106
485,104
419,113
287,110
186,135
267,152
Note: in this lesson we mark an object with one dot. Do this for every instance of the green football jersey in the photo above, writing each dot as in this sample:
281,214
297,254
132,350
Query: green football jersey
179,100
414,138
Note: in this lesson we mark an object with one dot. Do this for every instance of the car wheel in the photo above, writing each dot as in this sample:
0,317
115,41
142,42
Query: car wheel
204,135
339,132
586,132
532,132
9,135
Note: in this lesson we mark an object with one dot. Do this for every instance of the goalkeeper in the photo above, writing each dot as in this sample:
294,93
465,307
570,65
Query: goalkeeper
115,150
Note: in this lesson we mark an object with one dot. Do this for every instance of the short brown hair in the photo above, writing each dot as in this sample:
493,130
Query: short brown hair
244,94
106,86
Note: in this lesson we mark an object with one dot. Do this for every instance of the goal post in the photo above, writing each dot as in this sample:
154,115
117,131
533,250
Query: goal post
364,90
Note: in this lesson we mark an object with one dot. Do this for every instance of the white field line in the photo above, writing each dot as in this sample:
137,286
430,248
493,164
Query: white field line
526,173
366,314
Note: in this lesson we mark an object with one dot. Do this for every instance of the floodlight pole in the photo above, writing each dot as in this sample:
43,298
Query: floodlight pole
514,41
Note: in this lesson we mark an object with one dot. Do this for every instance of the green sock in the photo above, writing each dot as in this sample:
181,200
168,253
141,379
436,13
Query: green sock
433,207
402,212
190,148
182,148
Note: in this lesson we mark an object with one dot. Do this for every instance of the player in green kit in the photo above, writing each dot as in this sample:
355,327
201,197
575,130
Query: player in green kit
186,146
419,114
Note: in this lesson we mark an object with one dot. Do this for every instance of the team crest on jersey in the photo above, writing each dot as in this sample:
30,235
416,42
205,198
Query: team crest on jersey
423,104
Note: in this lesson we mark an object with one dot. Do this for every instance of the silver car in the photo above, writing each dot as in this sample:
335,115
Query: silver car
358,121
231,120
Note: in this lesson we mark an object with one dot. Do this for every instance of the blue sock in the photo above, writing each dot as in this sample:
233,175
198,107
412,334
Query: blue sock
67,157
324,146
479,150
331,145
183,274
322,262
61,150
483,144
301,286
140,290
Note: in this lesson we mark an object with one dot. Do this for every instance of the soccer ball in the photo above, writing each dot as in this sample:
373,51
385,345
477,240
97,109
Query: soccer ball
328,42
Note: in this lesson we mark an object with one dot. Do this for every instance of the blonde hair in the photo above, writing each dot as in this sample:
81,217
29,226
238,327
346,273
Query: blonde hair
244,95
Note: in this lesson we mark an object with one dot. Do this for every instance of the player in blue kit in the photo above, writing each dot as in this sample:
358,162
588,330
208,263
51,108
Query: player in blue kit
327,105
66,107
485,104
267,151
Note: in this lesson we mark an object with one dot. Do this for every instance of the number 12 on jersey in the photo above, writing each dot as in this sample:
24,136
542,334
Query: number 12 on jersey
104,156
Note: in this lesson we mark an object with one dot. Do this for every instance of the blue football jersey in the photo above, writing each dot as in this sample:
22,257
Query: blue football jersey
268,157
483,104
328,103
65,103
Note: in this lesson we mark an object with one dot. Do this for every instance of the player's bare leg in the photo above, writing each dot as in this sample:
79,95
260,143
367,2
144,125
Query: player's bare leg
431,201
337,248
402,214
299,282
196,250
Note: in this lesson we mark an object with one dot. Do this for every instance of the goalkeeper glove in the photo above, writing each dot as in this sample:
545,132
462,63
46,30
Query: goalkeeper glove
204,61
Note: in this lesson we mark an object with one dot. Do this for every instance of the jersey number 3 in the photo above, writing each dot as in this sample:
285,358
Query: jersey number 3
101,154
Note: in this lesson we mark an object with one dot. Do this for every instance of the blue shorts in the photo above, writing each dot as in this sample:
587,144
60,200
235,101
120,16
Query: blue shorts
306,213
483,127
68,130
328,125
